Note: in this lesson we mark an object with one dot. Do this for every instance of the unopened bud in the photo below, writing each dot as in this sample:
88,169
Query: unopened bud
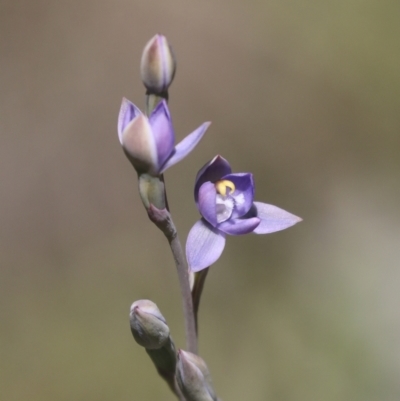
158,65
193,378
148,325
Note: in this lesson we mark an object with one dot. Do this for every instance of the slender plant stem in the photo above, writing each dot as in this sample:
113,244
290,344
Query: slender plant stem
163,220
183,275
180,259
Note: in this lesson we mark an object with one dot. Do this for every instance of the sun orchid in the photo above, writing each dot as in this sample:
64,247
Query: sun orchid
149,142
226,204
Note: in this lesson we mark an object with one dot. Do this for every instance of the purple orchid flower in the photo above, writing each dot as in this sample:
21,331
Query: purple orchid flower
225,202
149,142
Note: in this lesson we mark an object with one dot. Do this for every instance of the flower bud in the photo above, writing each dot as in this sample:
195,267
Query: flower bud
157,67
148,325
193,378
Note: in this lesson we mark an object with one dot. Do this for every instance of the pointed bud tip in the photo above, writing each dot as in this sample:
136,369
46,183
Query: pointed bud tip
148,325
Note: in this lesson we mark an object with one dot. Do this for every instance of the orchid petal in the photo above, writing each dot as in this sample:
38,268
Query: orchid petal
272,218
204,246
224,207
212,171
163,131
138,144
183,148
243,193
239,226
207,202
127,113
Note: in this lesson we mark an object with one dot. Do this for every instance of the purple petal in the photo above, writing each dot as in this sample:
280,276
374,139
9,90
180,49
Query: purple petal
243,194
207,202
163,131
186,145
204,246
211,171
239,226
127,113
273,218
138,144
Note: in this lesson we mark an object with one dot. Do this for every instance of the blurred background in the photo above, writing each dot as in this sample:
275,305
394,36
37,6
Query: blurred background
304,94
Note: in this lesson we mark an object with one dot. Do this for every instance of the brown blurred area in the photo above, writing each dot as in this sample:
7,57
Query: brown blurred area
303,94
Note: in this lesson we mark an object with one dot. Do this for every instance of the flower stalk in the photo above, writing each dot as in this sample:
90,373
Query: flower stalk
148,140
154,197
226,204
183,275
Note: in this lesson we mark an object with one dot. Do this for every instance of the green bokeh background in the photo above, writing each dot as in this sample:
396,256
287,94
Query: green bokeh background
304,94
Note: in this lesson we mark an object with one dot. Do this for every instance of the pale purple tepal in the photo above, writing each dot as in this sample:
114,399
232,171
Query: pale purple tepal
149,142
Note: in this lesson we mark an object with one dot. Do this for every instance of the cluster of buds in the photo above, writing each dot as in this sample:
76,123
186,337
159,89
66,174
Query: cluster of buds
186,373
226,204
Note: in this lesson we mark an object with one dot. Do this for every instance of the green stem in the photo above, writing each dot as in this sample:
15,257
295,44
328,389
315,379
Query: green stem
183,275
163,220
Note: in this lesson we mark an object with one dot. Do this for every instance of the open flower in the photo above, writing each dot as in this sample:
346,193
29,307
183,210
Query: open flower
149,142
226,204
